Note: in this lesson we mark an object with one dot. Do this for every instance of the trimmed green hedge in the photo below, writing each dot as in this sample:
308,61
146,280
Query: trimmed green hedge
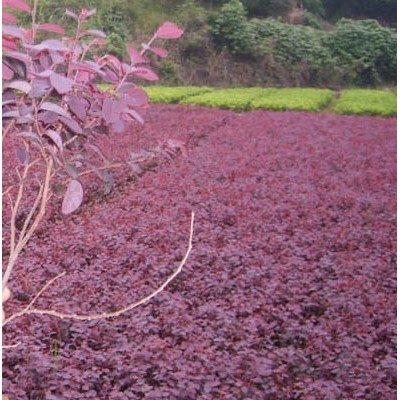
233,99
354,101
366,102
300,99
165,94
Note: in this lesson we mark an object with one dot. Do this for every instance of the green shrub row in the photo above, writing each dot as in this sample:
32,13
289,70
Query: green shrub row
355,101
366,102
233,99
294,99
175,94
361,52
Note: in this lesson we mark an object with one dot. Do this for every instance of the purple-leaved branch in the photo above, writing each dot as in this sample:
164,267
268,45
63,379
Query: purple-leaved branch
55,111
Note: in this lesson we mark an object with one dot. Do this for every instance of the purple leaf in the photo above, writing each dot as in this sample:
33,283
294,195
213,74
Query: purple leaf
11,114
13,31
71,14
48,117
56,138
72,124
18,56
110,60
8,18
168,30
159,51
73,197
78,106
110,76
7,72
145,73
95,32
56,57
110,110
55,108
19,5
52,28
50,44
39,87
134,115
29,135
61,83
22,156
22,86
135,56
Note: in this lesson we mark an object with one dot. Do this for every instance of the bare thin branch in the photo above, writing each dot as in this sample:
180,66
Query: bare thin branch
27,308
10,346
120,311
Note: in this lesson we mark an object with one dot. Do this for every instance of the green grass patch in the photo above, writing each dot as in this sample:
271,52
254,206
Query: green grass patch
165,94
367,102
234,99
293,99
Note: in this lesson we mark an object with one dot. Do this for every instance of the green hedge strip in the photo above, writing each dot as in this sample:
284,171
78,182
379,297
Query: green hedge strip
367,102
165,94
354,101
300,99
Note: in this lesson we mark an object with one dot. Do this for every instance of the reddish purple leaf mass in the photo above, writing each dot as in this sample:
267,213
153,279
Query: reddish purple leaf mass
289,293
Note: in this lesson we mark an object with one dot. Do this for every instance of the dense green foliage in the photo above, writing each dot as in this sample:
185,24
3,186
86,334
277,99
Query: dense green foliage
354,101
366,102
234,99
362,52
291,44
300,99
230,29
170,95
364,48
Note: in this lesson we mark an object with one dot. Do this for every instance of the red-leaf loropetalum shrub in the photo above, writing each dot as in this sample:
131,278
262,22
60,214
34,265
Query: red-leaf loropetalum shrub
54,109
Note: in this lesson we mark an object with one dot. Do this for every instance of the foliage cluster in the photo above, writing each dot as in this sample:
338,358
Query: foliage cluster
234,99
289,294
366,102
300,99
360,101
364,51
260,98
175,94
54,114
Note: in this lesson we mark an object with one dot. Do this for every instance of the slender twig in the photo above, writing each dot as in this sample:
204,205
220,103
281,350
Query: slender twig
105,167
10,346
16,247
32,211
41,291
129,307
7,129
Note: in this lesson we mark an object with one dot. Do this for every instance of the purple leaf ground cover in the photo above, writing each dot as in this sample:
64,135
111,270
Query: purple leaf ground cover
290,290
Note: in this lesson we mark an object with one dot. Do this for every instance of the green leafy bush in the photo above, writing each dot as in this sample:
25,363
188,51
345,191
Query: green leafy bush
165,94
292,44
231,30
234,99
367,102
366,49
300,99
